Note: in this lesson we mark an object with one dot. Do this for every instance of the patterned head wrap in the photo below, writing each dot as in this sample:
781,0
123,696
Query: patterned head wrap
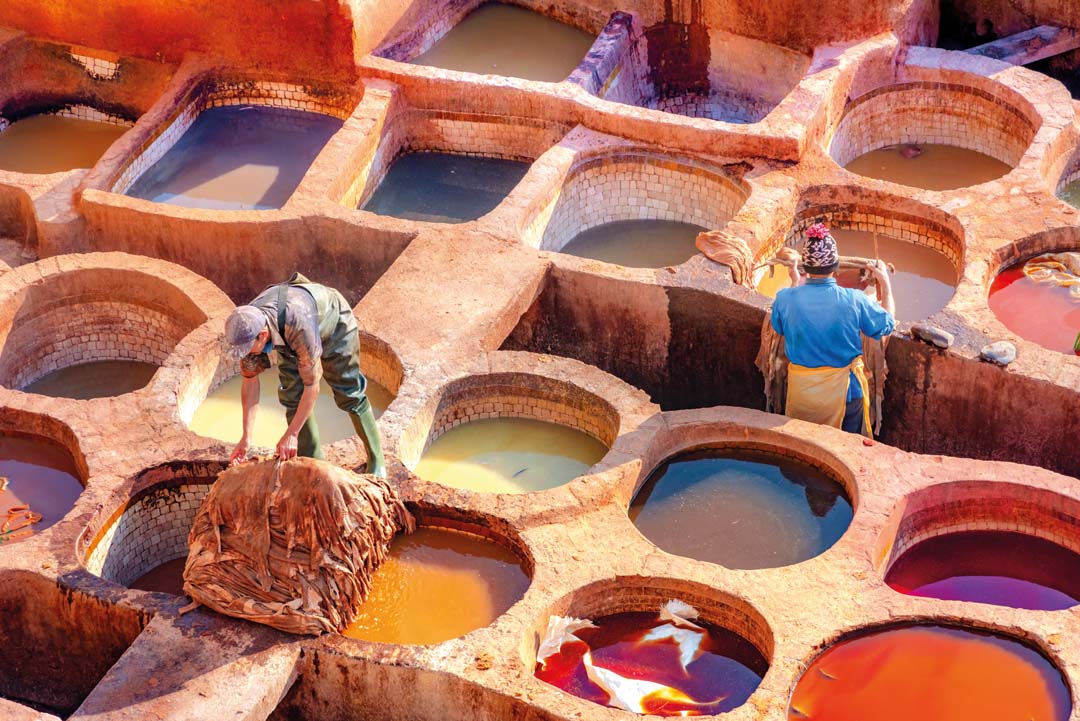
819,251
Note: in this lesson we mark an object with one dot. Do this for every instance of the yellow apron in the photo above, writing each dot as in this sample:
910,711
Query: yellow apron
819,395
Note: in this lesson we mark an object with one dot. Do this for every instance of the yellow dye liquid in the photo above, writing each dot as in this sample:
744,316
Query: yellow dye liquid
437,585
221,414
509,455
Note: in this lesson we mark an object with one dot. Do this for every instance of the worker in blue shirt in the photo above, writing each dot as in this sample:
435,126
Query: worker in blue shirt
822,325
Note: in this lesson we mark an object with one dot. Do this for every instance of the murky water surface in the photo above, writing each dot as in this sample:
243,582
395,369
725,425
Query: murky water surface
500,39
637,243
509,455
166,578
937,167
54,144
98,379
238,157
41,476
444,188
741,509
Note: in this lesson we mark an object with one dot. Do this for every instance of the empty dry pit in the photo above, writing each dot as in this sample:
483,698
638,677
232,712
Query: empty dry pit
89,327
476,566
924,246
236,144
143,543
447,167
509,433
934,135
610,664
996,543
636,209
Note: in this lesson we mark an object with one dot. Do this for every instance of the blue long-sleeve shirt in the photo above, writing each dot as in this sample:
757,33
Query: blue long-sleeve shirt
823,324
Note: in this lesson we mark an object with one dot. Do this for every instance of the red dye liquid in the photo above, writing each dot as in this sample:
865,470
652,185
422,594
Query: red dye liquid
1006,569
930,672
1042,313
722,678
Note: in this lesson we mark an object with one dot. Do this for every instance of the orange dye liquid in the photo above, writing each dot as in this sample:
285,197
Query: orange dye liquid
1042,313
437,585
720,679
930,672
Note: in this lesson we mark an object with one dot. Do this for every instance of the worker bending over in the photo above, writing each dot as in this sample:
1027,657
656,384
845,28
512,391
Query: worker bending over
822,325
313,330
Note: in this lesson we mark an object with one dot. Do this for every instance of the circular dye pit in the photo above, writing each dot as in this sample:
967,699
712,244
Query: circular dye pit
55,143
998,567
221,414
930,672
929,166
503,39
439,584
98,379
924,282
39,476
1043,313
444,187
642,663
509,455
741,508
637,243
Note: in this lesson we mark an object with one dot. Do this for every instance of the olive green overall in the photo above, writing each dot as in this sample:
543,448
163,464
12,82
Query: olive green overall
340,367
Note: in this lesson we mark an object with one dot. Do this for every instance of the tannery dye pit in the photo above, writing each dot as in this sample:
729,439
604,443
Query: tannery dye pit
559,229
741,509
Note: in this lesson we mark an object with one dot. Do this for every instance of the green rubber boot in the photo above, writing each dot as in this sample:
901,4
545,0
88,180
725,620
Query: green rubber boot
307,441
363,421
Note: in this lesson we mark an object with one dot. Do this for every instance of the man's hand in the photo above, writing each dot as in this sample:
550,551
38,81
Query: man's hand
286,447
239,454
880,271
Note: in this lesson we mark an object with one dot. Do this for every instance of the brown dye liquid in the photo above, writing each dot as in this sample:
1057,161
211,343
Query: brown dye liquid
498,39
99,379
240,157
509,455
54,144
166,578
938,167
221,415
924,281
741,509
930,672
637,243
437,585
39,474
721,678
1043,313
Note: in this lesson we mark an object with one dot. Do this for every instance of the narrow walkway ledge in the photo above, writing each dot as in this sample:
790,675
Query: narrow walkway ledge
1039,43
196,667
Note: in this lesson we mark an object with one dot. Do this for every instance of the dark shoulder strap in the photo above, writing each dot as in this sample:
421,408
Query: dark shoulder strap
282,291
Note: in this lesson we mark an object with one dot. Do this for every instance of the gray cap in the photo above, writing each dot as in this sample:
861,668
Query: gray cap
242,327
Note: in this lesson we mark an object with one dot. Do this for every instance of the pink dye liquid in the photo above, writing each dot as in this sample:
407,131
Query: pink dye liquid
40,475
1042,313
722,678
930,673
1005,569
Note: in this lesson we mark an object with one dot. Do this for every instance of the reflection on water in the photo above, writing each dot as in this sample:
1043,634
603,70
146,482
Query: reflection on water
54,144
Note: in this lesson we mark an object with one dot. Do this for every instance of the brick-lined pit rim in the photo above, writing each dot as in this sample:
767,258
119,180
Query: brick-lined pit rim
99,306
964,506
148,523
617,184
